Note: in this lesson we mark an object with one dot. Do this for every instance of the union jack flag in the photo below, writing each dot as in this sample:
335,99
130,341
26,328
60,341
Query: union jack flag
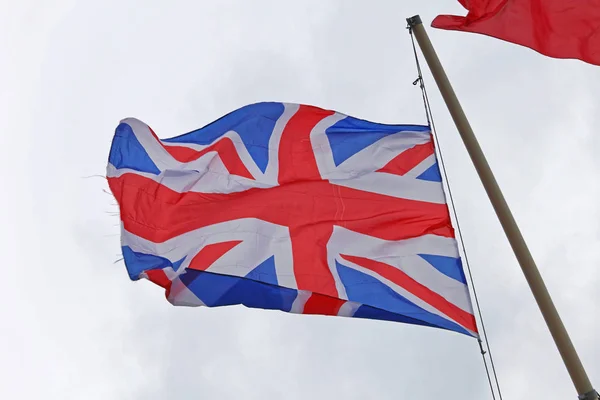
294,208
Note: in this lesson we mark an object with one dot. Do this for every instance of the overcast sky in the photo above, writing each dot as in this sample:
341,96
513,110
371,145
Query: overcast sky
75,327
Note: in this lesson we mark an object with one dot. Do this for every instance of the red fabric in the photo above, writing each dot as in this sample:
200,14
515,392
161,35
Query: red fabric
555,28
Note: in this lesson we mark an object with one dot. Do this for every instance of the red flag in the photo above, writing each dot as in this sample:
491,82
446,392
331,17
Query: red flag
555,28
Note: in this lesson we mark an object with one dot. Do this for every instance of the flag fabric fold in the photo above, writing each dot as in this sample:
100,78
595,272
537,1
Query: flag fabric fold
554,28
294,208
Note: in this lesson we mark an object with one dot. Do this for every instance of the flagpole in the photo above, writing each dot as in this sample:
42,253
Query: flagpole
538,288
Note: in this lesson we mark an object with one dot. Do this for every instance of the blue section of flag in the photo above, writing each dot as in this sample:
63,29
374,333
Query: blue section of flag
127,152
254,123
177,264
216,290
368,312
136,262
448,266
364,289
431,174
351,135
265,272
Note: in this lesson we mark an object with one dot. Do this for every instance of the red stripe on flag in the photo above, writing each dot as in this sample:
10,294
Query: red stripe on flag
322,305
211,253
432,298
159,277
391,218
309,249
223,147
157,213
408,159
297,163
155,135
296,156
